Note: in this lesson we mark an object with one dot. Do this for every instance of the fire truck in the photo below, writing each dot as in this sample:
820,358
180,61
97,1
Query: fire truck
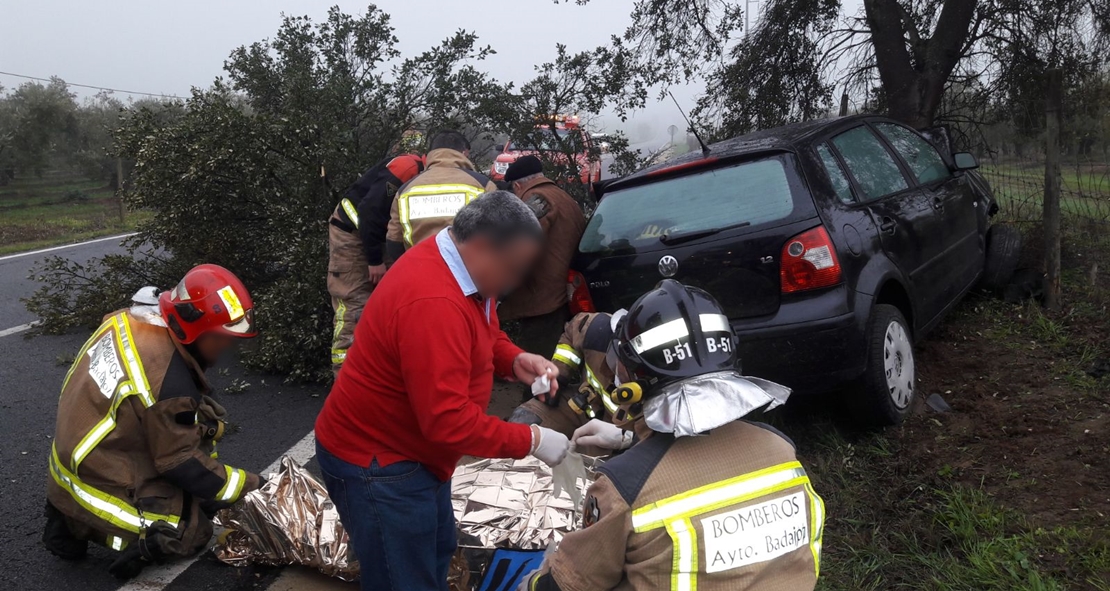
548,138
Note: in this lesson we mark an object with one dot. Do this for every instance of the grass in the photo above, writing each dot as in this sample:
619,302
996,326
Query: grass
1002,496
890,528
1085,191
58,209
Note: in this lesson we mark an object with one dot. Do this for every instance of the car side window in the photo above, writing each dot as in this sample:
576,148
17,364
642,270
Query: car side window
867,159
840,182
922,158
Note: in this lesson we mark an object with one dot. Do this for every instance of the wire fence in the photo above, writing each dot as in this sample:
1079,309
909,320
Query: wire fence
1013,149
1019,184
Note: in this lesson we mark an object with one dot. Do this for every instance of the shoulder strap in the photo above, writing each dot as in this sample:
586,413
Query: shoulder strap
631,470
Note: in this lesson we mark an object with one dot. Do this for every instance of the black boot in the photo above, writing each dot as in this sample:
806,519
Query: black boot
59,540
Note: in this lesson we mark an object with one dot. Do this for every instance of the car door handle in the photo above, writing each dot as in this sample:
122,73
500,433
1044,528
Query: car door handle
887,225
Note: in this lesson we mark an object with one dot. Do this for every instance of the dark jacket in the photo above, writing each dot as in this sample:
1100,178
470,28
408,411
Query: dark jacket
545,289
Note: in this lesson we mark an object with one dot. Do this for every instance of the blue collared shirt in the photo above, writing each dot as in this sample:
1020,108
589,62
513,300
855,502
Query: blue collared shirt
451,256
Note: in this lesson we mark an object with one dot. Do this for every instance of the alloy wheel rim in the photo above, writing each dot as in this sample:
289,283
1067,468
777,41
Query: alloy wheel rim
898,364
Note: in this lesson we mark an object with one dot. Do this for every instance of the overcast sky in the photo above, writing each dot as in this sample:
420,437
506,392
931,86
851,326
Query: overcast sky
168,47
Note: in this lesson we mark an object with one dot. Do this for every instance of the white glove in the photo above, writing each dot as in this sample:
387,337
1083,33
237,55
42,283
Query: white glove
598,433
549,447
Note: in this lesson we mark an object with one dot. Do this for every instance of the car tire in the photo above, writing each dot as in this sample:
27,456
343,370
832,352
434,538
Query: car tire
1003,252
886,393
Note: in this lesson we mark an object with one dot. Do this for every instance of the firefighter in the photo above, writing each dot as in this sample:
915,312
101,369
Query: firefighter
427,204
134,464
586,367
704,500
540,303
356,233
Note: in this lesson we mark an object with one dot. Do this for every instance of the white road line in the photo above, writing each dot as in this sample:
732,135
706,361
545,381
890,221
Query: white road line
53,248
154,578
18,329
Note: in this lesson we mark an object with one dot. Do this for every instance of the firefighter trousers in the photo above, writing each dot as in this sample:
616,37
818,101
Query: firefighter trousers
349,286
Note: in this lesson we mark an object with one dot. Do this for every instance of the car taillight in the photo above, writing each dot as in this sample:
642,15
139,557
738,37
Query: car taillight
809,262
580,300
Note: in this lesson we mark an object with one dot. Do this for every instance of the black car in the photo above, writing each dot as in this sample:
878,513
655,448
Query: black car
833,246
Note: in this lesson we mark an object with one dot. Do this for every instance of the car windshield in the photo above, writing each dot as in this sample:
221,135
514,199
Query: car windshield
691,206
545,138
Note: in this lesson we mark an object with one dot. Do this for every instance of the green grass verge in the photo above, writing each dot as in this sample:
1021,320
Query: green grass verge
54,210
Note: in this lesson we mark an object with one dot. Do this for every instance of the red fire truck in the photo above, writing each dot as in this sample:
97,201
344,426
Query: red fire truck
550,135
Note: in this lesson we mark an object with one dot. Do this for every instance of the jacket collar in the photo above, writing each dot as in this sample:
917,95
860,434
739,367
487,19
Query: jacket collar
447,158
532,184
451,256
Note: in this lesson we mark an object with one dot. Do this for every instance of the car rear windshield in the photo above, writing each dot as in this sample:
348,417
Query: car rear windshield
644,217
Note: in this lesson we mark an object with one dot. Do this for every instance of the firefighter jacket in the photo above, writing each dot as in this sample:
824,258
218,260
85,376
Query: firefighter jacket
130,446
731,510
364,209
427,204
580,359
562,220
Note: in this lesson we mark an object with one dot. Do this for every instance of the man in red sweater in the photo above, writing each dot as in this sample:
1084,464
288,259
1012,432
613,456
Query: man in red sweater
411,399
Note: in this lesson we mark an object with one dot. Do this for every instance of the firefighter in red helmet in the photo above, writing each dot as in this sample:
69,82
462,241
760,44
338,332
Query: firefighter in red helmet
134,464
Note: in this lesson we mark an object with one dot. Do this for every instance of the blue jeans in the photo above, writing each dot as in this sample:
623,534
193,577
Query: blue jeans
399,519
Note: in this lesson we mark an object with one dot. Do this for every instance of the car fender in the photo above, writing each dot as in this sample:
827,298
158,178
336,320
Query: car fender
876,273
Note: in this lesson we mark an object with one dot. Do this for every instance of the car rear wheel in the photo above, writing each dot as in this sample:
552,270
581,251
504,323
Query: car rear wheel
1003,250
886,393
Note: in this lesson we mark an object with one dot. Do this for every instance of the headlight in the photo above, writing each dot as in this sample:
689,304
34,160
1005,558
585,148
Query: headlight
500,167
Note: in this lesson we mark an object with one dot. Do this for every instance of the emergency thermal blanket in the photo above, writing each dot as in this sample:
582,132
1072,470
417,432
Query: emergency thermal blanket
512,503
290,520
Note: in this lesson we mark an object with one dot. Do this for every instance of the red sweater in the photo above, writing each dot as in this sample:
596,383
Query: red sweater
417,381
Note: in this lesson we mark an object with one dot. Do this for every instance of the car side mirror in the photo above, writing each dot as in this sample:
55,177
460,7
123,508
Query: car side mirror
965,161
499,148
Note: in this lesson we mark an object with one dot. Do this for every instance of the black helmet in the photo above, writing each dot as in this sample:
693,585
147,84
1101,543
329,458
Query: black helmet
674,332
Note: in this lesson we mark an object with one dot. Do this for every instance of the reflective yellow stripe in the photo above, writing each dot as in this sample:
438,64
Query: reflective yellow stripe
134,384
404,210
338,356
602,393
116,543
349,209
818,526
566,355
684,567
233,486
675,513
131,354
718,494
113,510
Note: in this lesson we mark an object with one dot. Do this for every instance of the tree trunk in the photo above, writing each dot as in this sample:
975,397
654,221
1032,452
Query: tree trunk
913,68
1052,190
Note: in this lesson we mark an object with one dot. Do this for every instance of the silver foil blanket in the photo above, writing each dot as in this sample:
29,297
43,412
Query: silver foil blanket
498,504
511,504
290,520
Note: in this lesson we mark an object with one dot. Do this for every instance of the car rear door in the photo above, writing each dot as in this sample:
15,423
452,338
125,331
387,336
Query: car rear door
904,215
954,202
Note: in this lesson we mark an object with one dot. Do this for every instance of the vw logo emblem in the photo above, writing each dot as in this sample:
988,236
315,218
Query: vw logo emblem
668,266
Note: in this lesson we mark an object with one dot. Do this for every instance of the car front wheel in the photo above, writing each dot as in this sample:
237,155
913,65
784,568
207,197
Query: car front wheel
886,393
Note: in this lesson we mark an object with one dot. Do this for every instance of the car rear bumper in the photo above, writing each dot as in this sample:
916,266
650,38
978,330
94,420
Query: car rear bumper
811,355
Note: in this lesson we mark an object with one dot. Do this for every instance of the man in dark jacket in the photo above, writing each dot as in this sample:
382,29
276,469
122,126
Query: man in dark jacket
540,303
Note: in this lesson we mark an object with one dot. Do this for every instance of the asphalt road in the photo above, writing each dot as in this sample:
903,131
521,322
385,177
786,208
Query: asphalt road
272,418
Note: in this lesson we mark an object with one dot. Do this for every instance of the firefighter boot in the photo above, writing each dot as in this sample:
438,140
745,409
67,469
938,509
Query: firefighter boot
59,540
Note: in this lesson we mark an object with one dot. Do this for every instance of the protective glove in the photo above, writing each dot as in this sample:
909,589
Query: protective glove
548,446
598,433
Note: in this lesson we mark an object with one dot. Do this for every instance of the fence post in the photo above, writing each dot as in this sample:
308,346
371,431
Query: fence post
844,105
119,190
1053,105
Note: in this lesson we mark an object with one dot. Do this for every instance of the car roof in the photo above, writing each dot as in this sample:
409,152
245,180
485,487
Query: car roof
785,138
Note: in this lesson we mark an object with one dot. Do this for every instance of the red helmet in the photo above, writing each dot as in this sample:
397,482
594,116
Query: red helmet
208,299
